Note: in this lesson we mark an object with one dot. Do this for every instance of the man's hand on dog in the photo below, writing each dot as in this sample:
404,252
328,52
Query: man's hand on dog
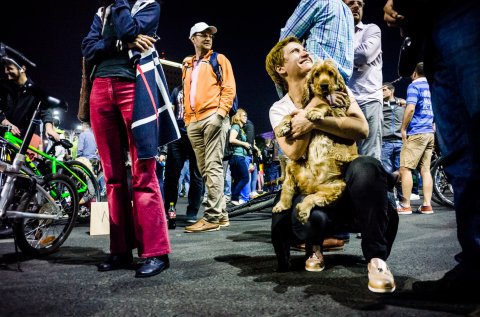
338,99
301,125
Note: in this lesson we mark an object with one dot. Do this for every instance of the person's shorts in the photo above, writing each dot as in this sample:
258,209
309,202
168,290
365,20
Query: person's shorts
417,151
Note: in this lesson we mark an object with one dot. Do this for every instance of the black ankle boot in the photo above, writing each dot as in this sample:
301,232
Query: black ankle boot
116,261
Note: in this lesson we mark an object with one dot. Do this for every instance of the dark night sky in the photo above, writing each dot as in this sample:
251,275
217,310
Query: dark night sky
49,32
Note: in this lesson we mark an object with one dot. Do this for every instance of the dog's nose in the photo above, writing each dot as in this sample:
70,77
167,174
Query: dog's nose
324,88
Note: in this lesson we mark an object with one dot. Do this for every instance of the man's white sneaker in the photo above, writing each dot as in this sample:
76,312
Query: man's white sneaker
380,279
414,197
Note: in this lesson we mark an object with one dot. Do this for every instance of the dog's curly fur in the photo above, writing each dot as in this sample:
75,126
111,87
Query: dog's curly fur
319,176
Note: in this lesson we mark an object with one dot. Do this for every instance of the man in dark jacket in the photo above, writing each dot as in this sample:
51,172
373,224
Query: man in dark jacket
17,104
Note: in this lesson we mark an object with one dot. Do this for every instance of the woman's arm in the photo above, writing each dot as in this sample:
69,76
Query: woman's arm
127,27
94,45
233,139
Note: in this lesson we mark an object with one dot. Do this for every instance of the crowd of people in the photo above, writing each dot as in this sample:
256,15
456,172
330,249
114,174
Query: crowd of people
395,136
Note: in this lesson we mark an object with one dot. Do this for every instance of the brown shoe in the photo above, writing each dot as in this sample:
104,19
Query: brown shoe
329,245
202,226
426,210
333,244
298,247
402,210
224,222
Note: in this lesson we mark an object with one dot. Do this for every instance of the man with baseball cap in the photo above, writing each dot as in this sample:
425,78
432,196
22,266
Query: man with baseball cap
202,27
207,102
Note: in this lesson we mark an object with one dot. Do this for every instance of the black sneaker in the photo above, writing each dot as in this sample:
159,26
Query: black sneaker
153,266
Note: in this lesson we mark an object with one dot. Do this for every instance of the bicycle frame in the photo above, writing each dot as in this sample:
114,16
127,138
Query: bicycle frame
56,163
13,171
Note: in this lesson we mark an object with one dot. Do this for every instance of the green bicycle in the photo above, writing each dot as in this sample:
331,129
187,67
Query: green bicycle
42,209
45,163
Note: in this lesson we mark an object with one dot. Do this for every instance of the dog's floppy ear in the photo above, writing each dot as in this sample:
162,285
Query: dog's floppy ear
307,94
340,81
307,89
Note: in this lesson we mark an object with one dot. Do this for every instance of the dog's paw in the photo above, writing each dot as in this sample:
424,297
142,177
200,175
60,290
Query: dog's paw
281,206
276,209
283,129
315,114
303,215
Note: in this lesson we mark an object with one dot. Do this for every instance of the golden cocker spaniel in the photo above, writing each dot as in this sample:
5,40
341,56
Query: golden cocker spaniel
319,176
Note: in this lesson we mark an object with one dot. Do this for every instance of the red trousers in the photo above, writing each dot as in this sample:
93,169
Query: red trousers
141,224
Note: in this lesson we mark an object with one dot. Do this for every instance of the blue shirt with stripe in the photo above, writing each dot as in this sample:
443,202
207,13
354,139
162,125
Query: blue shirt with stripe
418,94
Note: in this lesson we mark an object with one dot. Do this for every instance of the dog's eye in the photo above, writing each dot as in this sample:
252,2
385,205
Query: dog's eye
330,73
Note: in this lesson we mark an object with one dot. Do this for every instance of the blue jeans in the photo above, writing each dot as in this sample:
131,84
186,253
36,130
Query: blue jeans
391,162
184,180
454,82
160,171
391,155
254,178
239,175
245,193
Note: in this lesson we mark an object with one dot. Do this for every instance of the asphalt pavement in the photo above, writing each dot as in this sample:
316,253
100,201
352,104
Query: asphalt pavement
231,273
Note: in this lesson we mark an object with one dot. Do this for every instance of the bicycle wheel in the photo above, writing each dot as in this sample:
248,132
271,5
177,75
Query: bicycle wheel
442,189
88,194
256,204
55,195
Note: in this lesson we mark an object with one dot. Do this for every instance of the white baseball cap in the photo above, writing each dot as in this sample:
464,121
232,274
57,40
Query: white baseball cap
200,27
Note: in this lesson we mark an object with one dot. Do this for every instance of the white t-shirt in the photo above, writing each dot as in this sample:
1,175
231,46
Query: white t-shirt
285,106
280,109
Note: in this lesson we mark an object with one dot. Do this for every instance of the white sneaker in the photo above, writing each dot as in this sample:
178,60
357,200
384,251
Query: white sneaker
380,279
241,201
414,197
235,202
253,195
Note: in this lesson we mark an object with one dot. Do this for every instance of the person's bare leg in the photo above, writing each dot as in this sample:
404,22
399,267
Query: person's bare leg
427,186
407,183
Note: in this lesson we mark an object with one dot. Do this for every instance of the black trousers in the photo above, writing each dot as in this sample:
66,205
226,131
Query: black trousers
364,207
177,153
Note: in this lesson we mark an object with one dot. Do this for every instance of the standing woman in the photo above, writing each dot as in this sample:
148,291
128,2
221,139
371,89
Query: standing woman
238,168
118,26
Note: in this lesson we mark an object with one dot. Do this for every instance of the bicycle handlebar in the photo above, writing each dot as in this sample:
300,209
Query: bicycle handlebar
3,53
48,101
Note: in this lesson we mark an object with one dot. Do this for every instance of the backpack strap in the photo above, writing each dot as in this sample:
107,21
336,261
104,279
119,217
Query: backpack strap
185,67
217,68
